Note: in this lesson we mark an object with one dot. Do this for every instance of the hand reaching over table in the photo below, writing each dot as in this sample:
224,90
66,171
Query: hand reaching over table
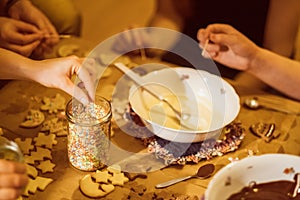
55,73
230,47
13,178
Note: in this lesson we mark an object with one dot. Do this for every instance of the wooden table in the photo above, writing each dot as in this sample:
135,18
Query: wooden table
17,97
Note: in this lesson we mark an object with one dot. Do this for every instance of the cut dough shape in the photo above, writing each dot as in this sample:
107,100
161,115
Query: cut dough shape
34,184
33,119
45,140
54,104
101,176
46,166
93,189
25,145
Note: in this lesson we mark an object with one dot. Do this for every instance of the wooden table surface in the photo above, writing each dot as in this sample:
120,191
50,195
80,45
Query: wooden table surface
17,97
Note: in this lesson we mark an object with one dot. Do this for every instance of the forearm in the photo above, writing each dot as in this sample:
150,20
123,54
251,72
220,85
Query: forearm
15,66
277,71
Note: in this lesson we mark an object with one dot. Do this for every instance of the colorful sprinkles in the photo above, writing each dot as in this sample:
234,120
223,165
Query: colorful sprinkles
88,138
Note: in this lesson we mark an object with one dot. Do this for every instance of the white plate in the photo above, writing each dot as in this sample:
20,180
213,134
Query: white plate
263,168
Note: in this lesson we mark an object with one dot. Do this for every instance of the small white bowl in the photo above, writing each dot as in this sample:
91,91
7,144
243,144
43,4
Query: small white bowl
261,169
211,100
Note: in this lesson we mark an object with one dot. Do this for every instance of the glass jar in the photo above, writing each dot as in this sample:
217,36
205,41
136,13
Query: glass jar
9,150
88,133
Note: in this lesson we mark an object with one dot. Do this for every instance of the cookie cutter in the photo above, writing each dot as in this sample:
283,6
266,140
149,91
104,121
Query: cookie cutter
266,131
9,150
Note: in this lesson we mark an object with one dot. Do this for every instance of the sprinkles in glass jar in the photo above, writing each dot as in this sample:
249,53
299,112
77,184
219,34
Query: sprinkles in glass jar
89,133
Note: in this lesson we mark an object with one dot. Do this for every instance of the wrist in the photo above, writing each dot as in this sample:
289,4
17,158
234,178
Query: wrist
256,61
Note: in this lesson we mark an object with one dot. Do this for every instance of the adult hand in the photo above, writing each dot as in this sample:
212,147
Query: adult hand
25,11
19,36
13,179
58,72
227,46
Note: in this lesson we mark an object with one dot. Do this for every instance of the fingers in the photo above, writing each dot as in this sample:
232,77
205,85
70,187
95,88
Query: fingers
86,72
88,75
22,33
26,27
81,96
220,28
10,193
11,167
13,179
25,50
220,37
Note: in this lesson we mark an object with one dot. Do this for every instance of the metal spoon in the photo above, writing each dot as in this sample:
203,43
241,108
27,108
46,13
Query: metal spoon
182,117
254,104
203,172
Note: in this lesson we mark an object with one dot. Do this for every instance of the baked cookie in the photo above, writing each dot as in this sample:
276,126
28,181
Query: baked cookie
44,140
46,166
118,179
101,176
93,189
38,155
33,119
31,171
54,104
114,169
25,145
55,126
34,184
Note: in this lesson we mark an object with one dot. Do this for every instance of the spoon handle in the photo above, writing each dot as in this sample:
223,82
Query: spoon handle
173,181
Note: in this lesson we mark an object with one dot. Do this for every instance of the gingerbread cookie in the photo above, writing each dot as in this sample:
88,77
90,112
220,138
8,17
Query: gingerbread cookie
92,189
53,105
34,184
38,155
33,119
43,153
44,140
55,126
118,179
114,169
101,176
46,166
31,171
25,145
